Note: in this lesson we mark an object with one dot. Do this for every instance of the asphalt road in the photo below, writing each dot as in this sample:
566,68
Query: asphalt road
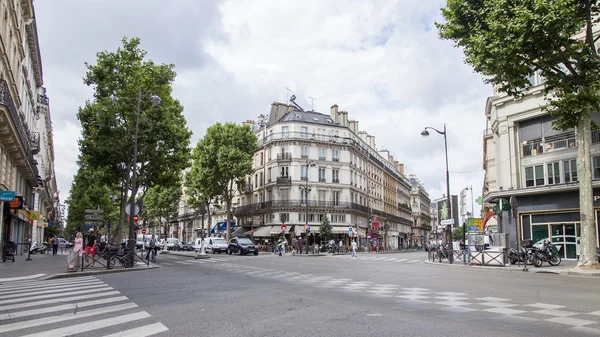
382,295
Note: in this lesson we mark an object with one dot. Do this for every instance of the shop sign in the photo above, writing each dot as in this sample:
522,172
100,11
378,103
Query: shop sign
7,196
34,215
17,203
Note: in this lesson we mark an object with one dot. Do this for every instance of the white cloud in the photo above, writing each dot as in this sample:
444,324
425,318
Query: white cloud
382,61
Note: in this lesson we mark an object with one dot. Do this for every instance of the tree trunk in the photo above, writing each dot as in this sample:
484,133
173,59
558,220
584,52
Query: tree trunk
587,259
229,218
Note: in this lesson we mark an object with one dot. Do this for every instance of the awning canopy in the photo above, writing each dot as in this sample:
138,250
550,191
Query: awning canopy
277,229
359,232
340,230
264,231
298,230
222,226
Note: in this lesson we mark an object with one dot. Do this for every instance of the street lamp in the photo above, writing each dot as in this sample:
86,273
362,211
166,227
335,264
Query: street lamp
306,190
444,133
131,242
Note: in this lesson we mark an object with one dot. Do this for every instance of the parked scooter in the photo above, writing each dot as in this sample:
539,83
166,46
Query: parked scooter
37,248
546,253
514,257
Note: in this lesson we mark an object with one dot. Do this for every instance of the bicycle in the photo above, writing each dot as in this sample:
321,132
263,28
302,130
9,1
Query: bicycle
151,255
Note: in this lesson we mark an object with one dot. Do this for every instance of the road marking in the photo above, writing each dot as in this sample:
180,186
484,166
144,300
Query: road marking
52,291
184,262
57,300
65,317
143,331
104,288
545,306
53,286
63,307
19,278
92,325
414,261
42,284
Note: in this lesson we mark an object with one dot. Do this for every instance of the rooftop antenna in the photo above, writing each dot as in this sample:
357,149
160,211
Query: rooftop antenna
312,103
287,98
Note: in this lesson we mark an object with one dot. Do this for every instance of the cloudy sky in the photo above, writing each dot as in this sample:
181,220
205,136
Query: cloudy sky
381,61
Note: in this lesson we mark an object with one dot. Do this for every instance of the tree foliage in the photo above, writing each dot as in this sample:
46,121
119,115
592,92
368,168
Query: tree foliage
325,231
508,41
222,159
162,202
108,121
88,191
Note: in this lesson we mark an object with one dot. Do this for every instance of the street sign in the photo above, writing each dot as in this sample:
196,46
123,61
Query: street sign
136,209
143,230
93,217
283,227
376,225
136,218
93,211
88,226
447,222
7,195
349,229
308,229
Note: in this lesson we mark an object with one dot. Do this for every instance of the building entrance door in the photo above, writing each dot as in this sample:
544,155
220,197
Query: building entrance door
564,237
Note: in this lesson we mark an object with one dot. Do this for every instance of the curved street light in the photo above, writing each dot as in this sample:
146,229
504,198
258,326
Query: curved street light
444,133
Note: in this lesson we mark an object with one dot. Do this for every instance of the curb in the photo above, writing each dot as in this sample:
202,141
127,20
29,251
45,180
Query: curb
95,272
533,270
201,256
311,255
461,265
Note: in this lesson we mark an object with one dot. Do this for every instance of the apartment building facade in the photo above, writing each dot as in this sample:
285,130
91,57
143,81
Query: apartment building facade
25,129
310,165
525,157
421,212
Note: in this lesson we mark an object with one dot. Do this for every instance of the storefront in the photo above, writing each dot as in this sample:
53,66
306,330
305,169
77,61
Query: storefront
555,217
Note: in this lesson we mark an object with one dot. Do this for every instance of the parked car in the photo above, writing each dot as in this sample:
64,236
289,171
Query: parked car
183,246
172,244
241,246
216,245
64,243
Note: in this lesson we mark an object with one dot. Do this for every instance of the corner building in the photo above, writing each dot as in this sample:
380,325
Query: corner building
310,165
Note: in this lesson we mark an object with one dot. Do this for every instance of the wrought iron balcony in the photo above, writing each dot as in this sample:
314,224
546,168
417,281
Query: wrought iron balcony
566,140
336,180
284,180
304,178
322,180
286,156
35,142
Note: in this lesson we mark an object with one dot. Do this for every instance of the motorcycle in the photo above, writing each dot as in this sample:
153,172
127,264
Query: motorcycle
514,256
37,249
546,253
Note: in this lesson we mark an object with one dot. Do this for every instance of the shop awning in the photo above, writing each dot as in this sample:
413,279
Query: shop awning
340,230
299,229
222,226
277,229
360,232
264,231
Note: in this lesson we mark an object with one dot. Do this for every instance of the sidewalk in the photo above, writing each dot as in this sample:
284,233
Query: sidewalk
567,268
44,266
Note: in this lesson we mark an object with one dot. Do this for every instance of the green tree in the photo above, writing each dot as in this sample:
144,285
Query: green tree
224,157
198,190
162,202
508,41
325,230
88,191
119,78
457,233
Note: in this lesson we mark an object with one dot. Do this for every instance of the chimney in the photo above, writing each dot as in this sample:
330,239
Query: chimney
401,169
334,113
371,141
343,118
278,110
363,135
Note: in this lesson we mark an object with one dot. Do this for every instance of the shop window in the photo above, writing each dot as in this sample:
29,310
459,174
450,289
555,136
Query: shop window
570,171
553,170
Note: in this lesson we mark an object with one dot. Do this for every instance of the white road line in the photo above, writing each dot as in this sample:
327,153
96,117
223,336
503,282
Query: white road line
143,331
91,325
39,284
52,291
414,261
197,261
41,297
20,278
66,317
64,307
56,301
184,262
48,286
401,260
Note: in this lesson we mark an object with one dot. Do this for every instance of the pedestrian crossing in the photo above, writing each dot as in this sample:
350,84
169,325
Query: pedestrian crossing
376,258
213,259
66,307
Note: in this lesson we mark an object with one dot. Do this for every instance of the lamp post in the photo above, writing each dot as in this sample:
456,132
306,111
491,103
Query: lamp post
131,242
203,208
306,190
444,133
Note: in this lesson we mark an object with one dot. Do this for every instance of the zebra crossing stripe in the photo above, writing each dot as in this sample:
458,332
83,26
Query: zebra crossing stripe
55,301
63,307
65,317
184,262
92,325
142,331
61,286
51,291
41,297
38,284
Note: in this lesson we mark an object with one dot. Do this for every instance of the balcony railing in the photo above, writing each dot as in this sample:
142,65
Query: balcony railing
7,100
549,144
336,159
35,142
322,180
336,180
284,180
286,156
304,156
321,158
268,206
304,178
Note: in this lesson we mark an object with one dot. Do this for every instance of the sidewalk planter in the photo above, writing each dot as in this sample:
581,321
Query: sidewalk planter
488,258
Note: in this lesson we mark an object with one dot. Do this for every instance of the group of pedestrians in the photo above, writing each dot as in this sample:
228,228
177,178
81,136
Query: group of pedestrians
297,245
75,258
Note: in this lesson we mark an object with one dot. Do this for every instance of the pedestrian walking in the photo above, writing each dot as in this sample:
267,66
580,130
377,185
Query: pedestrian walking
281,246
54,245
300,244
354,248
294,246
77,252
91,248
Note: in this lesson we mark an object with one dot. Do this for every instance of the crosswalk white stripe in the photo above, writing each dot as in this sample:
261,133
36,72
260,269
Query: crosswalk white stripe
63,307
142,331
401,260
42,283
26,282
21,278
48,286
414,261
57,300
65,317
52,291
78,292
184,262
91,325
198,261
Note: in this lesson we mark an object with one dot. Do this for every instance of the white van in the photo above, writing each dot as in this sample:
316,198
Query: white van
171,243
212,245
